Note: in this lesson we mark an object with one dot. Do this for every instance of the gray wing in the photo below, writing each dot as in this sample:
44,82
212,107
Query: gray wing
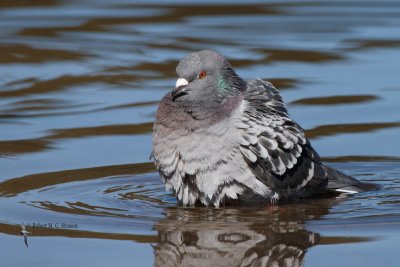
273,145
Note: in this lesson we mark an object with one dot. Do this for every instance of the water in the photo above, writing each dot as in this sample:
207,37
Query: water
79,86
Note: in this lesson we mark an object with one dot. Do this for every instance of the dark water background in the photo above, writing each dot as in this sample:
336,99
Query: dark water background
79,87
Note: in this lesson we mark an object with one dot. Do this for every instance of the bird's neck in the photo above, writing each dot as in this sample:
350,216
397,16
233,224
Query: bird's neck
196,115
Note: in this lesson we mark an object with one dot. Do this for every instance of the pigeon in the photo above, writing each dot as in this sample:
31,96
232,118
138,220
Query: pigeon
221,140
25,233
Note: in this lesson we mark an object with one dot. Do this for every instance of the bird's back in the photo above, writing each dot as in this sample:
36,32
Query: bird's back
280,154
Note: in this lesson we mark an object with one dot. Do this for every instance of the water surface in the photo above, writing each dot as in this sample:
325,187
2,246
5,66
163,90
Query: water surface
80,82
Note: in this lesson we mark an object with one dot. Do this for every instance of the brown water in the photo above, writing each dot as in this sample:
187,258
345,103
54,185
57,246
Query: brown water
79,87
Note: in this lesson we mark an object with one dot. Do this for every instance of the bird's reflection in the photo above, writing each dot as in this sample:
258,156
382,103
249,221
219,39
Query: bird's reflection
269,236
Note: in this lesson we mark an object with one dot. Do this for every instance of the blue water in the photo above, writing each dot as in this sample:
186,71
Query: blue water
80,83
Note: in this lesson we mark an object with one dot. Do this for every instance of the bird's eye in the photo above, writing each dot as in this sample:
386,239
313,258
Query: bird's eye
202,74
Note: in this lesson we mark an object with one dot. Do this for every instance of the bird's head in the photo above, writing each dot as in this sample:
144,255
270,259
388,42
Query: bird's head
205,78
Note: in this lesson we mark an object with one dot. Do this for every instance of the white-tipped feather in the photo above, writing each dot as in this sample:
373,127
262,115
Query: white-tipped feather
346,191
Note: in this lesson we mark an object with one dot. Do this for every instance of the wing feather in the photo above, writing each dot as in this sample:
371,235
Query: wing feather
274,146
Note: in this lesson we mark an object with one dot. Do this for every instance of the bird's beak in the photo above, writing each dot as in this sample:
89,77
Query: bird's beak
180,88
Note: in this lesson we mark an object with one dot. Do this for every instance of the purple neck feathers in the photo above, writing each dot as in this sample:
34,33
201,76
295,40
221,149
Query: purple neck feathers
179,115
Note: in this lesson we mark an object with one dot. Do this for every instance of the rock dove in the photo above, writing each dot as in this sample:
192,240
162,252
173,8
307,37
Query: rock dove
221,140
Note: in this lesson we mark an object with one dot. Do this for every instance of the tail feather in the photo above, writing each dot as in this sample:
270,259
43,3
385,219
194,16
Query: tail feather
343,183
349,190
